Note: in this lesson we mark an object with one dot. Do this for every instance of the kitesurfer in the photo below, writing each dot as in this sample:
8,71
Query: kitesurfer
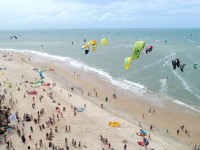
182,66
174,64
177,63
86,51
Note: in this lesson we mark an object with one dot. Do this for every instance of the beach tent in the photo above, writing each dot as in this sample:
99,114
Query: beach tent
141,143
79,109
46,84
32,92
114,124
142,133
145,142
9,85
36,82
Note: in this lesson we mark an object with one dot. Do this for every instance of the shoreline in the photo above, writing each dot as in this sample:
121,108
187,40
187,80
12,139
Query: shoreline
169,108
105,77
125,106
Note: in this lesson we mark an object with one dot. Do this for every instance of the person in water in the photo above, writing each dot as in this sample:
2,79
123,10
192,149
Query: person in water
182,66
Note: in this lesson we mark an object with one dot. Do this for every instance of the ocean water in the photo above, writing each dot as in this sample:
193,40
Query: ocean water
151,74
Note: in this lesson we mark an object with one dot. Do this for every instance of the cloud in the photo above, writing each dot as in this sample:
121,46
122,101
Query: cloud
100,13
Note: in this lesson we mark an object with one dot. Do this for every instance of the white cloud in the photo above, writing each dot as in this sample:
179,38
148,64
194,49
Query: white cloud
70,12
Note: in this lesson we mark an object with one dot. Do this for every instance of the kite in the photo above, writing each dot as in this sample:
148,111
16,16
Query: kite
90,45
127,63
138,47
104,42
40,74
175,63
149,49
13,37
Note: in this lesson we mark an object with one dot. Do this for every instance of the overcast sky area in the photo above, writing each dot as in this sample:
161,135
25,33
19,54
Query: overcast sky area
48,14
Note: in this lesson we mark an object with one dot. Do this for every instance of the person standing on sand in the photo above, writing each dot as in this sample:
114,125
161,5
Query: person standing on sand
195,146
151,126
106,99
101,105
125,146
149,136
177,132
31,128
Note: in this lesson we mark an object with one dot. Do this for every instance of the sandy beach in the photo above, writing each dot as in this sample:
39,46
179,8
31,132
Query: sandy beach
75,109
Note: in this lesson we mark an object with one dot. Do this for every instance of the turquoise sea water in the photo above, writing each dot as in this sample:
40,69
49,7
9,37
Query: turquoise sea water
147,75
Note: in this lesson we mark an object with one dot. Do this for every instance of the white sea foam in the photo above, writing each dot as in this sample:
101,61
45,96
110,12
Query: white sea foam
80,65
184,83
185,105
46,55
129,46
168,61
164,86
121,45
157,62
189,40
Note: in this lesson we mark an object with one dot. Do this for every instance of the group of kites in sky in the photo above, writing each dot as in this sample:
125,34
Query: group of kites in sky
92,44
138,47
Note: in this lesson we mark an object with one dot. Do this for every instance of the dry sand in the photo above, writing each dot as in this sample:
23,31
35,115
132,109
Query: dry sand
87,126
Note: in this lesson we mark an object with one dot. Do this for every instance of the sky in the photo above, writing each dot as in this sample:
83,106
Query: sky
58,14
